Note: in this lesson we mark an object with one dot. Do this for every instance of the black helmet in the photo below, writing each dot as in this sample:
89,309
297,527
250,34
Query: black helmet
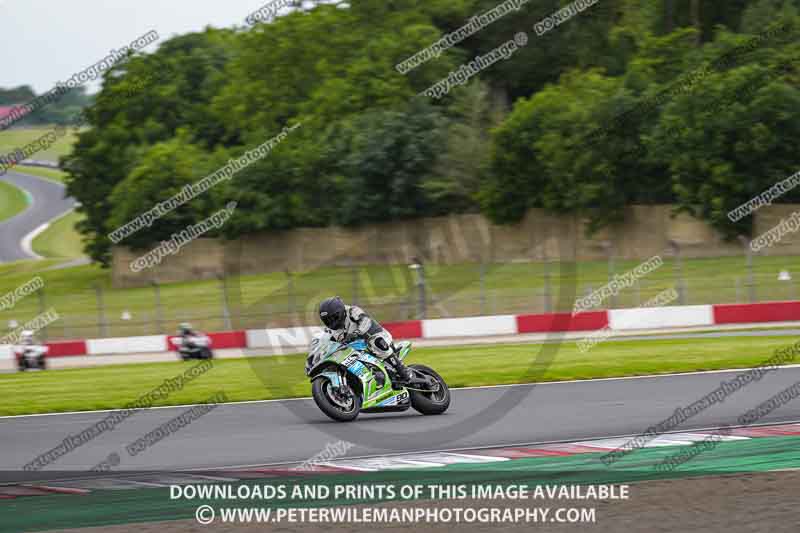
332,312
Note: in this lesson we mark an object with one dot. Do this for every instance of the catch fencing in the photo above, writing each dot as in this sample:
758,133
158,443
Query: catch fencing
393,293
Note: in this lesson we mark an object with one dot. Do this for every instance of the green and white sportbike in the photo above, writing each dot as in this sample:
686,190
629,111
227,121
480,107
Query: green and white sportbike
347,380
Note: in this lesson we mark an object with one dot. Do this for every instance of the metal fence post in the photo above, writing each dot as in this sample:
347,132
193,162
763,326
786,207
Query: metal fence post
226,312
417,266
290,293
423,301
751,286
101,310
679,280
609,247
548,303
42,306
354,274
751,283
483,286
159,311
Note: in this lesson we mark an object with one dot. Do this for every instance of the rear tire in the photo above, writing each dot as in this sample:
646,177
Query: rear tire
321,390
207,354
42,363
428,403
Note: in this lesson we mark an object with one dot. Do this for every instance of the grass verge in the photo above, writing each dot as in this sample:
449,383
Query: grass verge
12,200
51,174
14,138
60,240
114,386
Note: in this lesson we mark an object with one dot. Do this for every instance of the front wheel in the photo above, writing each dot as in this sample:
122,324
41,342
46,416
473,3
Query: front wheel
430,403
330,403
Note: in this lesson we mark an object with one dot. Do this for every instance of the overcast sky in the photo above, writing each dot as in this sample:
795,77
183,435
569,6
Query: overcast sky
45,41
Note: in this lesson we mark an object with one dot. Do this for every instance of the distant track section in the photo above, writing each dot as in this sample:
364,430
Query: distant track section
48,202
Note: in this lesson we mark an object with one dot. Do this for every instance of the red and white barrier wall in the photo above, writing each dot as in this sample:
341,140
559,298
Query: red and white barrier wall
441,328
678,316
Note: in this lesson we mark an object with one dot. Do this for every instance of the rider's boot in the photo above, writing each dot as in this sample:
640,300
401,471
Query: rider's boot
402,375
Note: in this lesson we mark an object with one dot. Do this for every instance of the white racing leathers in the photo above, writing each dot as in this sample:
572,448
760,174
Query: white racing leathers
359,325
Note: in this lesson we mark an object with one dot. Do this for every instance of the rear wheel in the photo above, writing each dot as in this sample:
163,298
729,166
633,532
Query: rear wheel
42,363
207,353
430,403
332,404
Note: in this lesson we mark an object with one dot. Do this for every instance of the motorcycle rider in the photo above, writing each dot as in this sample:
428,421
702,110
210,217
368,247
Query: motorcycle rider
347,323
185,330
26,338
30,347
187,334
193,343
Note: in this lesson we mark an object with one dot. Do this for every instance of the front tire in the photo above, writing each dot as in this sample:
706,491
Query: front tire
322,392
430,403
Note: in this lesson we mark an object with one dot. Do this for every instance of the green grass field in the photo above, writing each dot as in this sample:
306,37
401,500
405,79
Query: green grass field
14,138
282,376
12,201
42,172
61,240
387,291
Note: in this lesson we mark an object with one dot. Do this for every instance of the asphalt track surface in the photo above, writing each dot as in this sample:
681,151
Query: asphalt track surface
272,432
48,203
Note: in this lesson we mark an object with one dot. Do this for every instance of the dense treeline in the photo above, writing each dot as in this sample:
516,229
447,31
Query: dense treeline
61,111
541,129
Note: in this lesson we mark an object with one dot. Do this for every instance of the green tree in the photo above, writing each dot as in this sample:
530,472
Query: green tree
127,118
731,140
385,158
161,171
461,168
17,95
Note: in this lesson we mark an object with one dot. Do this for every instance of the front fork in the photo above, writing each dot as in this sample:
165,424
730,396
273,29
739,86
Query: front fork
334,377
339,385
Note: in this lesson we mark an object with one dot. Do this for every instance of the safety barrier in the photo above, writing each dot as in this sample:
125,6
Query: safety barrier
442,328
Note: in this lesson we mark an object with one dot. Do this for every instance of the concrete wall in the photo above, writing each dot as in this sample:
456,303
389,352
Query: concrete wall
771,217
647,231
